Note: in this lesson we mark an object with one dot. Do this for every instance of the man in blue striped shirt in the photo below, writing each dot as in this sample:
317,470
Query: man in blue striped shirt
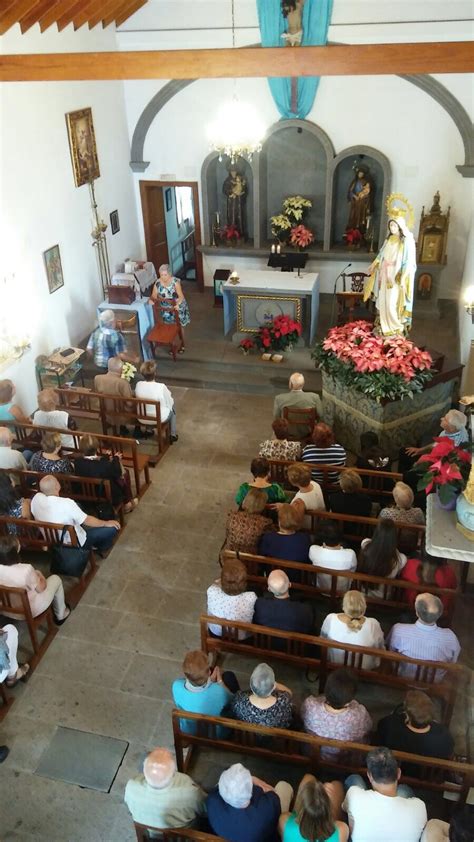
424,639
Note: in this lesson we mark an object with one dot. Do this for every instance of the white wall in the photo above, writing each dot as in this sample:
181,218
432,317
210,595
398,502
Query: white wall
40,204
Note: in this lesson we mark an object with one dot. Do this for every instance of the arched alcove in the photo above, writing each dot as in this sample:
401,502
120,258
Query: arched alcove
213,175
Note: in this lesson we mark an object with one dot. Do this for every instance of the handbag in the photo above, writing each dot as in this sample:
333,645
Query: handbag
4,652
68,561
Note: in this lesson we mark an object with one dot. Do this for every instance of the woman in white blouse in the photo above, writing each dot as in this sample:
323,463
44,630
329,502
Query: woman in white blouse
309,492
353,627
228,598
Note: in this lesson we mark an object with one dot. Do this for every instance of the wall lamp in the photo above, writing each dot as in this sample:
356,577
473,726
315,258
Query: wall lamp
469,302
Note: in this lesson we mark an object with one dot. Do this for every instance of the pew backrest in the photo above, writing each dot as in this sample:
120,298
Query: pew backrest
37,534
374,483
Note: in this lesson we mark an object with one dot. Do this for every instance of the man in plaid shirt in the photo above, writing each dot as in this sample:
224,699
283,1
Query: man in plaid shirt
106,341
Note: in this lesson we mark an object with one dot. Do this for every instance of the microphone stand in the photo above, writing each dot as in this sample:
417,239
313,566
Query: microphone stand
334,292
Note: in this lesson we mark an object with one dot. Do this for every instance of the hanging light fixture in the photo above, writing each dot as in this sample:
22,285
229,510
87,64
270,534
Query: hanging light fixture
237,130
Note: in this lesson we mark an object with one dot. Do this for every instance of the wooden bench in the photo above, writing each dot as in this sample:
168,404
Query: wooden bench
303,578
301,650
178,834
131,457
355,528
89,490
15,603
306,750
374,483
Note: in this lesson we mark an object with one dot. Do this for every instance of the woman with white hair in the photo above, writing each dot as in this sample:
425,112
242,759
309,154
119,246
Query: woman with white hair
352,626
48,415
404,512
168,289
266,703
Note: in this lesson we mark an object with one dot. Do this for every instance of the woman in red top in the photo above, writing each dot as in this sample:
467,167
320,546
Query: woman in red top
429,570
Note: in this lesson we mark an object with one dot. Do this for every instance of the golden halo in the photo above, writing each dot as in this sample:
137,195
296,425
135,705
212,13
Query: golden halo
394,200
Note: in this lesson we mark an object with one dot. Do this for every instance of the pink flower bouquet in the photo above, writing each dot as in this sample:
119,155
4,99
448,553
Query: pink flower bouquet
301,236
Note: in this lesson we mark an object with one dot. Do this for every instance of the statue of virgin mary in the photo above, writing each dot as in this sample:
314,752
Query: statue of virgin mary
391,280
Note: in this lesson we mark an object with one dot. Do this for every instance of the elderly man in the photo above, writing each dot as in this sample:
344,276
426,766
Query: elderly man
106,342
297,399
243,808
48,506
113,384
424,639
161,796
453,426
10,458
278,611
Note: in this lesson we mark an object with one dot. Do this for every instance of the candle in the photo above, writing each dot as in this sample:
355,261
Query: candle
273,248
217,218
278,248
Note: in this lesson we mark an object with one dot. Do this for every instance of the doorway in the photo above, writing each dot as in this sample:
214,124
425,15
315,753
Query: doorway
173,227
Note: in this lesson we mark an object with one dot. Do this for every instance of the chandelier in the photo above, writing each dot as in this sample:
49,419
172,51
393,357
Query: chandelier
237,130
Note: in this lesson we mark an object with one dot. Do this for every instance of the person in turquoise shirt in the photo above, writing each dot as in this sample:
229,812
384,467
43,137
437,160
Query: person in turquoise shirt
202,690
316,815
260,470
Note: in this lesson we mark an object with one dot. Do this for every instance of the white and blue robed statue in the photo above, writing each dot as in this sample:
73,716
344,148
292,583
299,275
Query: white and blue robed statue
392,274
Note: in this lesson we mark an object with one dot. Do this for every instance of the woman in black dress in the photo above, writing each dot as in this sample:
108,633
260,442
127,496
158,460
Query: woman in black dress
94,464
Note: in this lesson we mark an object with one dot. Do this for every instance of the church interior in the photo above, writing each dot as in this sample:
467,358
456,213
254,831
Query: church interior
189,136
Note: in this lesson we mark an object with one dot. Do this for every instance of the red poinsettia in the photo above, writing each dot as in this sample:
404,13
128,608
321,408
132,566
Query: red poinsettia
246,344
301,236
278,333
231,232
352,236
445,468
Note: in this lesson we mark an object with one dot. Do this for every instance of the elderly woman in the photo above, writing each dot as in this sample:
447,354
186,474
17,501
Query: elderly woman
168,289
9,410
11,504
229,599
288,543
203,689
280,447
350,500
105,466
10,672
48,415
325,451
309,495
48,460
260,470
336,715
352,626
245,527
403,510
316,814
266,703
379,555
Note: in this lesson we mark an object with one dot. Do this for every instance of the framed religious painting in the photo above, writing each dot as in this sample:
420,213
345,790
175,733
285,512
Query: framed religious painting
85,163
114,222
54,270
424,285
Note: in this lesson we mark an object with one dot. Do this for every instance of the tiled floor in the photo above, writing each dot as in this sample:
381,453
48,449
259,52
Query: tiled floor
110,667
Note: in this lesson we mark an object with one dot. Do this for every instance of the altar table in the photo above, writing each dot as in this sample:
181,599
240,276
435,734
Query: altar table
262,294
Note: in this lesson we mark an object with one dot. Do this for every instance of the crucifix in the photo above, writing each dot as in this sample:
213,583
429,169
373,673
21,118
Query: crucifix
292,10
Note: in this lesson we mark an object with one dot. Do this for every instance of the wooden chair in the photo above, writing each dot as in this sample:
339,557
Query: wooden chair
162,333
301,421
15,603
176,834
350,303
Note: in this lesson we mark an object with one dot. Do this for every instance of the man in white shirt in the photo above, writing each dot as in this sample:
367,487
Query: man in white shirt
10,458
388,811
149,389
48,506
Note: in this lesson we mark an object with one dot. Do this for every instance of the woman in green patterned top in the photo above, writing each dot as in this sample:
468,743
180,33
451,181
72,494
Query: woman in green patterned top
260,470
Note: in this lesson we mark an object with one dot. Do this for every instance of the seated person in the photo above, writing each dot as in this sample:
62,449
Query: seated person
105,466
429,570
411,728
260,470
277,611
336,715
48,506
387,811
379,555
41,592
372,457
280,447
296,398
10,672
48,460
287,543
424,639
163,797
202,690
330,553
404,512
48,415
266,703
453,425
350,500
245,527
9,457
11,504
459,829
9,410
116,386
106,342
229,598
309,492
354,628
242,808
325,451
149,389
316,814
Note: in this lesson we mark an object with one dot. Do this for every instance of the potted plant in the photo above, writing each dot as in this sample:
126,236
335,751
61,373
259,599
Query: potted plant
445,469
353,238
301,237
283,224
231,234
246,345
278,334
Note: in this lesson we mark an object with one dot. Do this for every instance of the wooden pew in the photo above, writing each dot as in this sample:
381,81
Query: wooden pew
301,749
355,528
81,489
131,457
374,482
305,582
299,650
178,834
9,599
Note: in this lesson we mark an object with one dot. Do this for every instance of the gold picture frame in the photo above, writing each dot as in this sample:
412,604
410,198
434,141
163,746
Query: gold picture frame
265,300
85,163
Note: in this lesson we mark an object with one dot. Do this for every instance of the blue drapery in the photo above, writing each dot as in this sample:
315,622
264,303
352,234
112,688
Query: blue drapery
316,19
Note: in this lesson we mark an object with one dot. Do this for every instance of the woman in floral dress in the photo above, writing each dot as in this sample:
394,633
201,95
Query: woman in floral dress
168,288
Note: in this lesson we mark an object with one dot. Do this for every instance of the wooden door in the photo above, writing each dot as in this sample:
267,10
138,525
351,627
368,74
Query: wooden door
155,227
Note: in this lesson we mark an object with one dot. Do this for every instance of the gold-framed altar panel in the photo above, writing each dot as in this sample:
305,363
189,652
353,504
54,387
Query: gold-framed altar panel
85,163
252,326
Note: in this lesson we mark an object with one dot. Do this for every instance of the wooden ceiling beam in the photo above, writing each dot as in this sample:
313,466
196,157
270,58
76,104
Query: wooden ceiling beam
129,10
87,10
36,13
117,7
67,17
51,15
359,60
12,14
103,12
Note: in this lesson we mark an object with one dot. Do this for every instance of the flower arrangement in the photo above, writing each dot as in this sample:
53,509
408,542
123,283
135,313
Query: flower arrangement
380,367
294,209
301,236
444,469
296,206
278,334
353,237
246,345
230,232
128,371
280,225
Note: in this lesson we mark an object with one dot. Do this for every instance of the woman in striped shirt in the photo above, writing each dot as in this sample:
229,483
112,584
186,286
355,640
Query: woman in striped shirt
325,451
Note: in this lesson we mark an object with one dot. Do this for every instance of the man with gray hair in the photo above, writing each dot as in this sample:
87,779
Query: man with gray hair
278,611
106,342
10,458
297,399
243,808
453,426
113,384
424,639
161,796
